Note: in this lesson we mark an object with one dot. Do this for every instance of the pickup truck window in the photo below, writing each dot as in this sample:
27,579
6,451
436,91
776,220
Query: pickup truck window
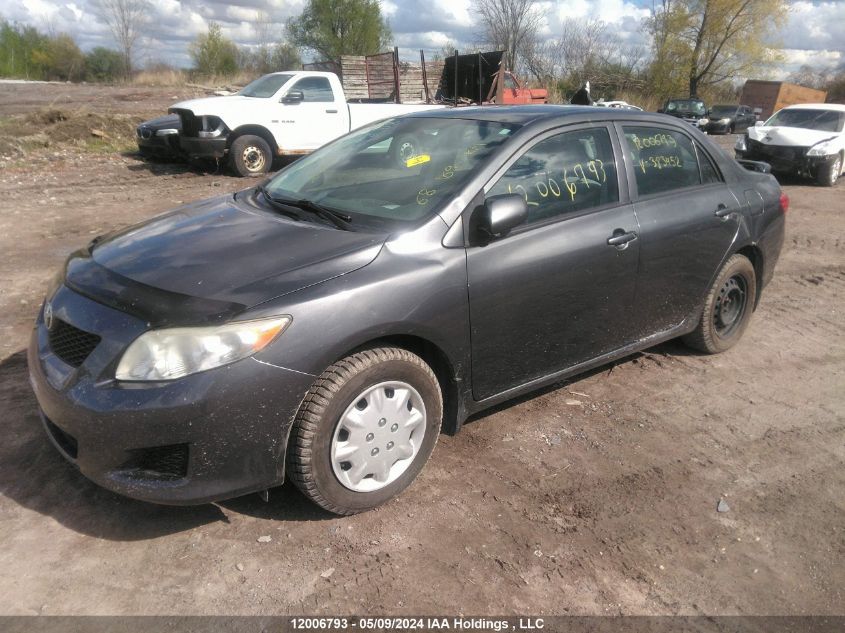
315,89
265,87
393,172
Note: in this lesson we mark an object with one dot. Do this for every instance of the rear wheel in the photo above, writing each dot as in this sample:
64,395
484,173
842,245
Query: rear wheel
250,156
365,430
828,174
727,307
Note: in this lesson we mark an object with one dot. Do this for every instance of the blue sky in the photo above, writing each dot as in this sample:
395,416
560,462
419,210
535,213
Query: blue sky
814,35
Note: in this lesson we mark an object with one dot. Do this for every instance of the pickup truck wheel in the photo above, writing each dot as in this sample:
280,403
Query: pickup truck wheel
403,148
365,430
727,307
250,155
828,174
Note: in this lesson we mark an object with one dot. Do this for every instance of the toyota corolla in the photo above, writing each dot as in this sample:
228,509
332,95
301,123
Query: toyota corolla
327,324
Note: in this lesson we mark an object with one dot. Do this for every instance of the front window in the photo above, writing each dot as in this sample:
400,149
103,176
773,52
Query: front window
393,172
811,119
722,112
314,89
265,87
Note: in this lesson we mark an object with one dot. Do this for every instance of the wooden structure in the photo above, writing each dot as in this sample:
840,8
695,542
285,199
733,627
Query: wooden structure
771,96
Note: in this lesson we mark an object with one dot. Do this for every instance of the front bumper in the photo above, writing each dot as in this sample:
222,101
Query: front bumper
196,147
786,160
210,436
149,141
717,127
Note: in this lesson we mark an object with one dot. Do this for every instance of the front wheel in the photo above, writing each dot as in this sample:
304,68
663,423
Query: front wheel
727,307
365,430
829,174
250,156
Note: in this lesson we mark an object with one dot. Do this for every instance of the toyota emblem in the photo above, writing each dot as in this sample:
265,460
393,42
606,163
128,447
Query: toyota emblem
48,316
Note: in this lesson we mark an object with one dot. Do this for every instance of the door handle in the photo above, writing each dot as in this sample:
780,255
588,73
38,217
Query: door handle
620,239
331,111
722,211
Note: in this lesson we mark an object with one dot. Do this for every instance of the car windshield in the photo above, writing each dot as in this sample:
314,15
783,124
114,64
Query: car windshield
686,105
265,87
720,111
393,172
810,119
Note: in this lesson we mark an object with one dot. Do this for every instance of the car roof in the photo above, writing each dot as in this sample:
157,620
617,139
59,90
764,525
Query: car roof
817,106
536,114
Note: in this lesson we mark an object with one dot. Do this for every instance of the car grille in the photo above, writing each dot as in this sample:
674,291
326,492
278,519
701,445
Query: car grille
159,462
782,152
70,343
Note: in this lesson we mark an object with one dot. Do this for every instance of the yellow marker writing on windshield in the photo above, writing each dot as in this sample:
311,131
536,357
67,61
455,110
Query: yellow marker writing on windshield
417,160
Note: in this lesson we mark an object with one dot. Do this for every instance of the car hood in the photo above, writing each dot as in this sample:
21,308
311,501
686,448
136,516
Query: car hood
161,122
219,106
789,136
219,256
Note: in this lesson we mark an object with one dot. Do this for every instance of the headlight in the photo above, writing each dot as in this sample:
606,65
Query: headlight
740,145
212,127
176,352
823,148
726,121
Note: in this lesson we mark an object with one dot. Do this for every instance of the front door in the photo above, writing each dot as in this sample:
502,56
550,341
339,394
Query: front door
554,293
319,118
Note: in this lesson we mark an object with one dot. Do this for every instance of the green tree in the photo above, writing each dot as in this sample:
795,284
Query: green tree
18,44
60,58
333,28
702,43
104,64
213,53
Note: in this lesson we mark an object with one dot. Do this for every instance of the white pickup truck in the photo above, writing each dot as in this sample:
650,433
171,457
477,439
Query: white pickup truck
280,114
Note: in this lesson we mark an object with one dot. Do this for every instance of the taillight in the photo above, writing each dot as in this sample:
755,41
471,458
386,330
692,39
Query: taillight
784,202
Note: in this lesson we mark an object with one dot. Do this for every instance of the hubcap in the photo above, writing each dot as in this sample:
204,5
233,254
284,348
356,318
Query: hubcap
378,436
730,305
253,158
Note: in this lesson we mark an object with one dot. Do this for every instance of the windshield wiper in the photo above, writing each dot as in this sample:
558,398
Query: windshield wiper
280,205
340,220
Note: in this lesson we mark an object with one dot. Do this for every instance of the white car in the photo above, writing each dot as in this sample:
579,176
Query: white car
806,139
280,114
624,105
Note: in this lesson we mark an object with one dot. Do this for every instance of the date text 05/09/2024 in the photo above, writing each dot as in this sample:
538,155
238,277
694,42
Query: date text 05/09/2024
464,624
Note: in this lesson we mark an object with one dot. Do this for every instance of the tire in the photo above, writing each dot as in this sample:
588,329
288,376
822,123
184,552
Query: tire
829,174
403,148
250,156
727,307
348,418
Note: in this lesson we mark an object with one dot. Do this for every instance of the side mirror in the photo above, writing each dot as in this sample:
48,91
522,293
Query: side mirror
499,214
759,123
293,97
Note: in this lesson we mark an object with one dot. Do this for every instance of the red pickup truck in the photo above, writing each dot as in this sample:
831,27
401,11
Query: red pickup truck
515,93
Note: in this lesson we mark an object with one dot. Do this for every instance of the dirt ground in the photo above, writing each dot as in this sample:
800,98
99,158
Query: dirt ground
595,497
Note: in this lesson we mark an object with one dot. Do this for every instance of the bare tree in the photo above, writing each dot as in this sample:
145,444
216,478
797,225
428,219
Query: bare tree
509,25
126,20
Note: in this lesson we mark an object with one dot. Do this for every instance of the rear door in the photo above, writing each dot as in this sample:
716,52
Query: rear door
319,118
553,293
688,220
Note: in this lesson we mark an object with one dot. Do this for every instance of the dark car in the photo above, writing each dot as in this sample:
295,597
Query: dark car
326,325
691,110
159,137
727,119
